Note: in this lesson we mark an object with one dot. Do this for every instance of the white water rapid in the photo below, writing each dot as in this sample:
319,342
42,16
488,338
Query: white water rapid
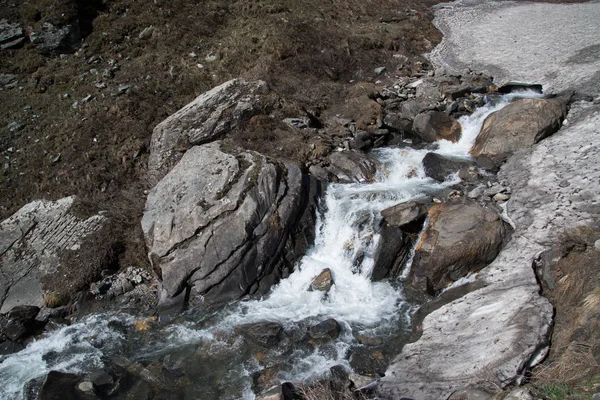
346,240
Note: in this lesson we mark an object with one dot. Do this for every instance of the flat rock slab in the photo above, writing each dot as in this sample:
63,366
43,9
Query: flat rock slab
489,336
556,45
29,242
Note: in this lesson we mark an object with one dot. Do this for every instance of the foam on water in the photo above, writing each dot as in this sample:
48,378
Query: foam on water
72,349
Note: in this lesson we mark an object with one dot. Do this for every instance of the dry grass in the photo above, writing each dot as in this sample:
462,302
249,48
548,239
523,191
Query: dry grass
576,297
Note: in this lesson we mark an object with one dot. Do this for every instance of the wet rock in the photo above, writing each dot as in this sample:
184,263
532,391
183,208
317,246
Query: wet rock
435,125
325,331
234,229
439,167
51,40
511,87
103,382
54,324
392,252
31,389
322,282
368,362
207,118
350,166
30,243
369,340
10,347
265,379
264,334
60,386
23,313
518,125
403,214
459,238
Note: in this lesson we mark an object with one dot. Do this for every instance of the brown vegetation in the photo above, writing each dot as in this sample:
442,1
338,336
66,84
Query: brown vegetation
575,352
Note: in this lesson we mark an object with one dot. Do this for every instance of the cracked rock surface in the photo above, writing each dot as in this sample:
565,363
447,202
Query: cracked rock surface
222,226
30,242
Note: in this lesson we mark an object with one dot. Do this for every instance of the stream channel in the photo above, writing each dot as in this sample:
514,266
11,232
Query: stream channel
201,355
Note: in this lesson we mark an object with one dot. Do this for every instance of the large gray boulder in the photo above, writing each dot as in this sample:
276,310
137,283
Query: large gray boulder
221,226
518,125
491,335
31,242
209,117
459,238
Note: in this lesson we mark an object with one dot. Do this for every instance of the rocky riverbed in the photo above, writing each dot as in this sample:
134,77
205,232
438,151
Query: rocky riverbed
405,256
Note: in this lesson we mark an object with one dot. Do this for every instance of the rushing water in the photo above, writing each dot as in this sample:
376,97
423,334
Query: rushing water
204,347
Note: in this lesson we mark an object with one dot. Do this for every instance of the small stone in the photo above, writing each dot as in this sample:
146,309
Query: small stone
75,105
494,190
15,127
322,282
56,159
325,331
499,197
201,66
86,386
379,71
477,192
436,200
146,33
100,85
564,183
597,245
123,89
596,396
87,98
264,334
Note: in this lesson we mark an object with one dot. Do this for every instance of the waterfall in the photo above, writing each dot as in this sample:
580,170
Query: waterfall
345,242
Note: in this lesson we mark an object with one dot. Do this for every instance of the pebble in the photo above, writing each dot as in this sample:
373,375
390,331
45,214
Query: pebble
123,88
379,71
101,85
596,396
15,126
498,197
86,386
597,244
146,33
87,98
